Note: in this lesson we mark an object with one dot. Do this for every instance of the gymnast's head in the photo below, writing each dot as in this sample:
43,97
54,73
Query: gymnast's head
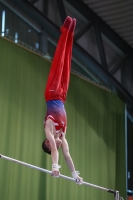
46,147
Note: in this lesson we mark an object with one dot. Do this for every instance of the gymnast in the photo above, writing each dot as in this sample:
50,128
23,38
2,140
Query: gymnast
55,122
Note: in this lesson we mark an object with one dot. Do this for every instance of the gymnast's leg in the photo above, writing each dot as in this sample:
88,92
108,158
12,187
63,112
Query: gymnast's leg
67,61
53,87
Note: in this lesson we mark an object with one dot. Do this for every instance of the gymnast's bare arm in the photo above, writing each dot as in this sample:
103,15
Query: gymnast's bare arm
69,161
49,131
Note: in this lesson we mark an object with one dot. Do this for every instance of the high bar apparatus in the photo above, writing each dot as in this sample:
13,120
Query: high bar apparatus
115,192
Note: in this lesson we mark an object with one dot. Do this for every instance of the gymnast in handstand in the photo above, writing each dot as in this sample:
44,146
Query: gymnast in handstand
55,122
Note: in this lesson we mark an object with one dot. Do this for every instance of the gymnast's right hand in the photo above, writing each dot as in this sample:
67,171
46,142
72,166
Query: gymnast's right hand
78,179
55,170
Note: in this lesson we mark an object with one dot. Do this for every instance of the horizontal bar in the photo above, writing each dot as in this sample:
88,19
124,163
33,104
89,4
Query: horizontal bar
49,172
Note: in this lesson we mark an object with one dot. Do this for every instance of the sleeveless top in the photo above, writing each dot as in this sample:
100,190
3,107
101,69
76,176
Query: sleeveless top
56,112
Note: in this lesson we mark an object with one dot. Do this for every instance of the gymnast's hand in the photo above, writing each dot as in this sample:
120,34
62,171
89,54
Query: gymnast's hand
55,170
78,179
55,173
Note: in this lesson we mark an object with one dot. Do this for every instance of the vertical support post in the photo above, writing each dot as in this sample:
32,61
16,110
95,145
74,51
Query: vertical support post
3,23
126,148
16,37
124,75
45,7
61,9
100,46
131,66
43,42
116,195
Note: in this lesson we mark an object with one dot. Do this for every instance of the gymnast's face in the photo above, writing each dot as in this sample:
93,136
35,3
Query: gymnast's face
58,144
47,144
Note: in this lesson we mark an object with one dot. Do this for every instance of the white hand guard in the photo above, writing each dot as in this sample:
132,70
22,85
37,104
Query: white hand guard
55,167
75,174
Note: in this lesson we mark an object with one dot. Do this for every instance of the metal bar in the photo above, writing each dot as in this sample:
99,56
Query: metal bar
121,63
126,148
83,30
43,41
3,22
49,172
100,46
131,66
45,7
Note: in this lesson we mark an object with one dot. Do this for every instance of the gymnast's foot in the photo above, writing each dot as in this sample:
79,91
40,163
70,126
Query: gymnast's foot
72,28
67,22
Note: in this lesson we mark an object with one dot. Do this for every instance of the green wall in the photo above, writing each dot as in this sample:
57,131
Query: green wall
95,133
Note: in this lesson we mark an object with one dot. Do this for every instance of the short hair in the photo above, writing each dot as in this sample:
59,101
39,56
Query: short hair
45,149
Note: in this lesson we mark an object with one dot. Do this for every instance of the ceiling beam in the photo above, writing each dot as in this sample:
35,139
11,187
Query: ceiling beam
83,9
61,8
100,46
121,63
85,28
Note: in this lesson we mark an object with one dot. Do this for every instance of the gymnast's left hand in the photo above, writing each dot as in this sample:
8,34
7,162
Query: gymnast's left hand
79,180
75,175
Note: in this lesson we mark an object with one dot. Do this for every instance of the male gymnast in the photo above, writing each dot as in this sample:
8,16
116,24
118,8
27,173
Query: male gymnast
55,95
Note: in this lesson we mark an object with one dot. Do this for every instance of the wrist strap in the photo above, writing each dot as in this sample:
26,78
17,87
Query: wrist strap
75,174
56,167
